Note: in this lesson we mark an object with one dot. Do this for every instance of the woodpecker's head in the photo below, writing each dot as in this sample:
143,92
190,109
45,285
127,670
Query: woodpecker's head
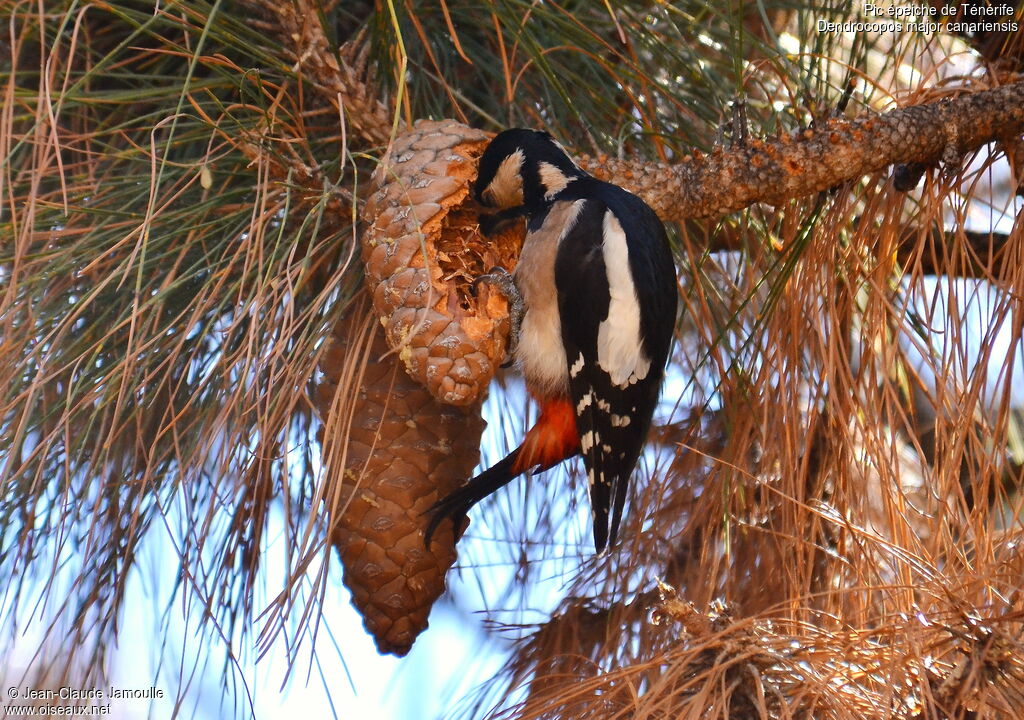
521,169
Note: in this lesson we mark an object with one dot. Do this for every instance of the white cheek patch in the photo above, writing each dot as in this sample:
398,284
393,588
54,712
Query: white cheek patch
506,189
619,348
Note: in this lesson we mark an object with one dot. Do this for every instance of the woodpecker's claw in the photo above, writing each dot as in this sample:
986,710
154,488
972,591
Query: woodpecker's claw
503,280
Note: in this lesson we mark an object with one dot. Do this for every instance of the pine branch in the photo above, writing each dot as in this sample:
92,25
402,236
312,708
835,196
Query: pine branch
815,159
343,79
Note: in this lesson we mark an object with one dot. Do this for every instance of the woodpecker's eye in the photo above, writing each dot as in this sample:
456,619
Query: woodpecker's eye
486,198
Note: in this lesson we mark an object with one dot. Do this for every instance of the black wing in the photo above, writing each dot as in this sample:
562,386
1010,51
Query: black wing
614,406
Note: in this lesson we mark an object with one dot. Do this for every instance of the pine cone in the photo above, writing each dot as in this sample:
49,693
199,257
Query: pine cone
423,250
391,451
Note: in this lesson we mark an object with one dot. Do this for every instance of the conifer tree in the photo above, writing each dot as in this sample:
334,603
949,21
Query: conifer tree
203,323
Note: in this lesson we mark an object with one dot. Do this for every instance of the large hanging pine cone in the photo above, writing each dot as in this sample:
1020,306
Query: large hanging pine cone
423,249
391,451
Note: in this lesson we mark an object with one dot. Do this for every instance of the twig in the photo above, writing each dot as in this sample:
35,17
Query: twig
344,75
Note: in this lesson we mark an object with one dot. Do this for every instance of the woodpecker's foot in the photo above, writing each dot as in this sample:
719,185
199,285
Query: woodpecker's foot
503,280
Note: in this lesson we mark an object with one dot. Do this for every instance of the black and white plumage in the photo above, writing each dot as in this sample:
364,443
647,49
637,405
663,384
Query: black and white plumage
617,298
598,286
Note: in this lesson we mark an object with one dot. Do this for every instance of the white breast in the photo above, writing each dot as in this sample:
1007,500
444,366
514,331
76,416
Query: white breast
540,354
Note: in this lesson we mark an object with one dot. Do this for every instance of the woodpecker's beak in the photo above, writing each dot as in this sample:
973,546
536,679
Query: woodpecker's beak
490,223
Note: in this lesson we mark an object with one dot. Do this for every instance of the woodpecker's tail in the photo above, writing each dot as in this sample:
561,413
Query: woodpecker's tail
550,441
455,505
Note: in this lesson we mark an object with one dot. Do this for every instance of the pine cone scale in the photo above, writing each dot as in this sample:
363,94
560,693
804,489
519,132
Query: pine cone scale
402,450
423,250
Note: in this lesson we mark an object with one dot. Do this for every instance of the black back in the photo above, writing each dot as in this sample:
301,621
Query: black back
584,302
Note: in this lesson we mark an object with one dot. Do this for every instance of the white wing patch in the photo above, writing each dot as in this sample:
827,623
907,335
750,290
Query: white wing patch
619,350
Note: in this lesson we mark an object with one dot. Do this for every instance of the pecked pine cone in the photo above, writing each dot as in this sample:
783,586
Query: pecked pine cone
391,451
423,250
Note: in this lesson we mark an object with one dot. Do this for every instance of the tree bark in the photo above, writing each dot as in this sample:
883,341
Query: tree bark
815,159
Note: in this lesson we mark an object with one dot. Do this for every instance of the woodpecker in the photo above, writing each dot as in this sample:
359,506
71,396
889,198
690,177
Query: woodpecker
593,306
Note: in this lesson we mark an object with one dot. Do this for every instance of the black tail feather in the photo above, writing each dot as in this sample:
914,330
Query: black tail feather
600,499
458,503
619,502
